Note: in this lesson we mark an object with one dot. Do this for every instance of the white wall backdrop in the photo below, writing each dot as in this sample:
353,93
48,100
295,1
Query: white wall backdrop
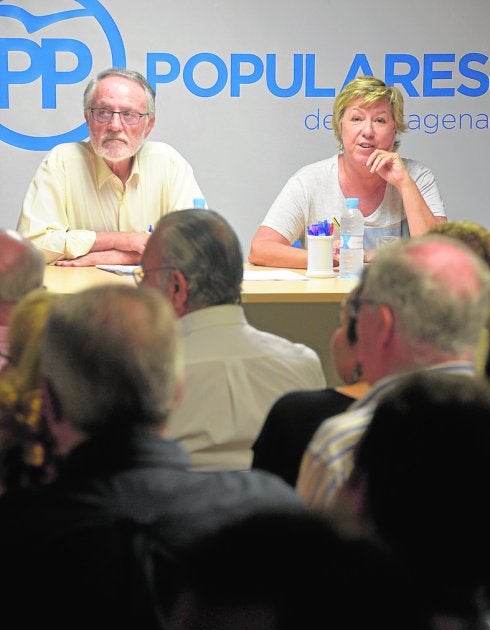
243,139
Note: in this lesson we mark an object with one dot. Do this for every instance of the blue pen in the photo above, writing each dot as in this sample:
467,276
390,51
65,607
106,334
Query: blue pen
150,228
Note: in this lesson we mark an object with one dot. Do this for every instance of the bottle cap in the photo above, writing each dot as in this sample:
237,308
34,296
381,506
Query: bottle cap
352,202
199,202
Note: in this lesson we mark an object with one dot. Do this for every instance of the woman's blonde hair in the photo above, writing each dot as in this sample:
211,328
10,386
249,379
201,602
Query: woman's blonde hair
25,334
26,447
370,90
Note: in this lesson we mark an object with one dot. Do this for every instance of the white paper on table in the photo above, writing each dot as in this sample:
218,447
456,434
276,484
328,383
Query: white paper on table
248,274
272,274
121,270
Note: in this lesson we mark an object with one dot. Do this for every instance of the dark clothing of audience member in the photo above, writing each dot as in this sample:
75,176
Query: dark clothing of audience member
289,427
420,481
284,571
294,418
89,549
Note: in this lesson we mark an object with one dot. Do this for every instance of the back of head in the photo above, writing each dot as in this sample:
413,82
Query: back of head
477,238
111,354
438,291
472,234
425,459
263,564
21,266
204,247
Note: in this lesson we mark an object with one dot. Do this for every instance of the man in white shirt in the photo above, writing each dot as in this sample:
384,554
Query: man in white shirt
234,372
96,202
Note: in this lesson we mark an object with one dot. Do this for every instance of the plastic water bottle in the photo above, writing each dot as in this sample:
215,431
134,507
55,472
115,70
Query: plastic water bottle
351,255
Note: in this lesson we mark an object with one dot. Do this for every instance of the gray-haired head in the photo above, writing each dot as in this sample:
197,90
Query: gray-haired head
438,289
203,246
131,75
21,266
112,357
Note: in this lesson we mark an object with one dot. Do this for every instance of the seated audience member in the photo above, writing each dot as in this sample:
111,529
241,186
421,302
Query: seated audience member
474,235
26,448
234,372
93,202
397,196
262,573
422,304
74,549
420,479
478,239
21,270
294,418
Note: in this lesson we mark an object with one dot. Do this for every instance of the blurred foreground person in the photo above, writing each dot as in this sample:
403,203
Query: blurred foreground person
21,270
85,550
478,239
27,456
422,305
420,479
262,573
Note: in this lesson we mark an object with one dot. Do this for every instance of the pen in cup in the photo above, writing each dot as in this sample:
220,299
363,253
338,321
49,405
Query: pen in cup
322,228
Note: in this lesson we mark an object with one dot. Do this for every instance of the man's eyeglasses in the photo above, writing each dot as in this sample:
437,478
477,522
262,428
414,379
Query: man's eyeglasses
103,115
140,273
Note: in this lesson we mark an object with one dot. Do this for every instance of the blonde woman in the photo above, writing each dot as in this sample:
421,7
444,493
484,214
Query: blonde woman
397,196
26,453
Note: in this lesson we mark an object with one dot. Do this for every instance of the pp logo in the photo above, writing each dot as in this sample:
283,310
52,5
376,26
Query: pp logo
43,61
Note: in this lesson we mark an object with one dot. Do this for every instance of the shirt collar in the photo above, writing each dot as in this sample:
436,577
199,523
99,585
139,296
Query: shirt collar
456,367
103,173
135,448
210,316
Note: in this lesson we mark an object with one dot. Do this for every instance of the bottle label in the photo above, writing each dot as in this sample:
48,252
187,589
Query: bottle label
349,241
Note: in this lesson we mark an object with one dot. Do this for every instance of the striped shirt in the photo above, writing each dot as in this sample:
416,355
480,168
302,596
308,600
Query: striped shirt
328,459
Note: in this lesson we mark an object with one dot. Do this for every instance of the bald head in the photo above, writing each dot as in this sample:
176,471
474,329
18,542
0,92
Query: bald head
21,266
427,301
450,265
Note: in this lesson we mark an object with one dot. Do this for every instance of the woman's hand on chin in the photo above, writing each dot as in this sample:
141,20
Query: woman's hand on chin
388,165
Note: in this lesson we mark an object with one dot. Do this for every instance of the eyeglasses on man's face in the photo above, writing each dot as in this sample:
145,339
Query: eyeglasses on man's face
103,115
140,273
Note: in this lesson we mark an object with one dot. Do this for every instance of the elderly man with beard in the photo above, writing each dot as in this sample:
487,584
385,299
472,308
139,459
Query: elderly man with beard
95,202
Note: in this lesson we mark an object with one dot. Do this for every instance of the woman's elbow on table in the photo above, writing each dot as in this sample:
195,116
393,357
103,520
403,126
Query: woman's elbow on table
263,244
